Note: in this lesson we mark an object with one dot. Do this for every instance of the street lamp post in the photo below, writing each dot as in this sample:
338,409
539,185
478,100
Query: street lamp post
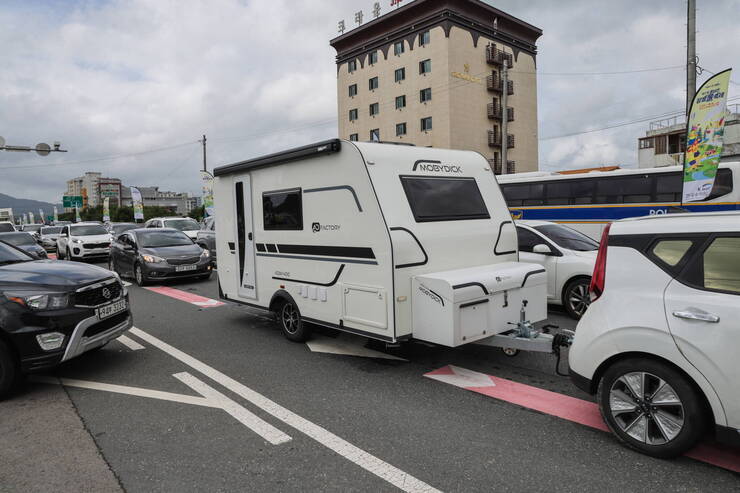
42,149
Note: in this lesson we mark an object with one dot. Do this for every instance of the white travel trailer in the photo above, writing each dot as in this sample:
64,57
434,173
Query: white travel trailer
386,241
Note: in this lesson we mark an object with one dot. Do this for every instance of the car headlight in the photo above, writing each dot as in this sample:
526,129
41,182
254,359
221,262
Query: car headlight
205,253
77,240
152,259
48,301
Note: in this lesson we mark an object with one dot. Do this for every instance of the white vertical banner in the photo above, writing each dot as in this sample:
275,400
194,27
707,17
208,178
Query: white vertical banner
106,210
41,216
31,218
137,203
56,214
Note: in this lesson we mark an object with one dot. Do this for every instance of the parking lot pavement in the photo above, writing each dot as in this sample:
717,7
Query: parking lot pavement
215,398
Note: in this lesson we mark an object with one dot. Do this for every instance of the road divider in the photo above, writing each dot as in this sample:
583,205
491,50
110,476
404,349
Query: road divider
192,298
562,406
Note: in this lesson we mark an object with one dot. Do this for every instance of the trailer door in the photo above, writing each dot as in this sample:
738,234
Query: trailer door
245,237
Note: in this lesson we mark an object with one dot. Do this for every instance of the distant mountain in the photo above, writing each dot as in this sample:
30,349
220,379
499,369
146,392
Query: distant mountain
27,205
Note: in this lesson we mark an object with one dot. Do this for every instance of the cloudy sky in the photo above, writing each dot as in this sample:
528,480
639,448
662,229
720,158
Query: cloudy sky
128,87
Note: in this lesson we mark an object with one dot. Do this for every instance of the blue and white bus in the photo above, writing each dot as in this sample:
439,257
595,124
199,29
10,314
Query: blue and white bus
589,201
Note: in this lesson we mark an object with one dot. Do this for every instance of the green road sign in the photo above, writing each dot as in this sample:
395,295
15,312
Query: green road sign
72,201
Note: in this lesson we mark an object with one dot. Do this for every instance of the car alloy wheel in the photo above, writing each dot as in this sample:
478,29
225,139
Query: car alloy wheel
577,298
646,408
139,275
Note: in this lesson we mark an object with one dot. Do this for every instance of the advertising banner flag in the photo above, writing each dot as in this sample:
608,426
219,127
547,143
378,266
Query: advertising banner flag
704,137
56,214
41,215
207,180
31,218
106,210
77,215
138,203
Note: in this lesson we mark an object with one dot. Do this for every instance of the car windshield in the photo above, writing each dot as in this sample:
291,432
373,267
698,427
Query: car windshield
51,230
31,228
182,224
155,239
568,238
120,228
88,230
5,227
18,239
10,255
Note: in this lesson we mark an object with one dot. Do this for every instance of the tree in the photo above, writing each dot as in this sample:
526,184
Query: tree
198,213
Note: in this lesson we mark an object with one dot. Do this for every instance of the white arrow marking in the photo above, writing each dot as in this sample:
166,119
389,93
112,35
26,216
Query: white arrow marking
348,345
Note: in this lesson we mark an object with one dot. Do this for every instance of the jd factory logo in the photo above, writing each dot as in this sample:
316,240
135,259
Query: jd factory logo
318,227
436,167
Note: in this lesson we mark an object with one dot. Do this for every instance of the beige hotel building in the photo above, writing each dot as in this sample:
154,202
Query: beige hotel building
429,73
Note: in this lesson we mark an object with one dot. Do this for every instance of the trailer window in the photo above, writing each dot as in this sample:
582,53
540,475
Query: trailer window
444,199
282,210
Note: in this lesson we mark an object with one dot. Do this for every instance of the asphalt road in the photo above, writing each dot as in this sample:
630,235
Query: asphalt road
439,435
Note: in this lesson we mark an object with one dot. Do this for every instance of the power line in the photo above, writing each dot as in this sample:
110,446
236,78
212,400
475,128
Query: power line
618,72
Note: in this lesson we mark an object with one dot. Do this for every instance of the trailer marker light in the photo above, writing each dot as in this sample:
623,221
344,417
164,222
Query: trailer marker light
401,298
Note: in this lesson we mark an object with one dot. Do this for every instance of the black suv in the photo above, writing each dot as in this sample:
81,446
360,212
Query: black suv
52,311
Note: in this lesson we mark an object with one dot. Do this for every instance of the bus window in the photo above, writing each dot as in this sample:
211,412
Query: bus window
557,193
583,191
668,187
722,184
536,194
637,189
515,194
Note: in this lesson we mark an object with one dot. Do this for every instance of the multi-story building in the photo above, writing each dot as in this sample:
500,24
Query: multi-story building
151,196
6,214
93,187
664,143
430,73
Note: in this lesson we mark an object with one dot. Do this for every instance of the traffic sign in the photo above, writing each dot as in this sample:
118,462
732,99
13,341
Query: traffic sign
72,200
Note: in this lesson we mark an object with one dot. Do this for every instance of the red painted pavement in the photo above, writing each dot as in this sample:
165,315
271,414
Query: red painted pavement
573,409
191,298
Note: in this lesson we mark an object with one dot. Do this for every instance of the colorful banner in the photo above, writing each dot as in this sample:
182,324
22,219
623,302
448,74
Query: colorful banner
207,180
705,129
138,203
77,215
56,214
106,210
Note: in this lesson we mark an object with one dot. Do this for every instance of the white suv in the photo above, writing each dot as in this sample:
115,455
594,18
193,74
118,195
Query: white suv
83,241
659,345
187,225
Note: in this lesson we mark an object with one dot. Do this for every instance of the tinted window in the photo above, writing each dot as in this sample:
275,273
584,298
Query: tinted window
182,224
568,238
668,187
154,239
88,230
721,265
4,227
583,191
672,251
444,199
52,230
557,192
18,239
282,210
527,239
722,184
10,255
515,194
120,228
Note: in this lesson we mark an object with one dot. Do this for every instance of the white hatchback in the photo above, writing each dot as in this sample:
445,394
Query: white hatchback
567,255
659,344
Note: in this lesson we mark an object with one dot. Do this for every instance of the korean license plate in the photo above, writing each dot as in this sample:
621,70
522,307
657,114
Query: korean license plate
112,309
183,268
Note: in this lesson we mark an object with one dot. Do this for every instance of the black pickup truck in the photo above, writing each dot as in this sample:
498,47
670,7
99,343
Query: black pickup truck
52,311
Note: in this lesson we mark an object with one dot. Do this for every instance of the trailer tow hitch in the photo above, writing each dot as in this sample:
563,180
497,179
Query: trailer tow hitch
561,340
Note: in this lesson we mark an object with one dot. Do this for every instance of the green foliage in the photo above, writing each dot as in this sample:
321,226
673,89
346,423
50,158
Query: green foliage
198,213
118,214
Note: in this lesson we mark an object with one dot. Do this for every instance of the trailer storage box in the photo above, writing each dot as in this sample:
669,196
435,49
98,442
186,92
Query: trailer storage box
460,306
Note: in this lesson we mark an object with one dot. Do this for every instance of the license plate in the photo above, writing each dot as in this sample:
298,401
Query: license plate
112,309
182,268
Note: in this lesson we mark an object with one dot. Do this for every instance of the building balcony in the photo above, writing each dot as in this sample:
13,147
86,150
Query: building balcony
494,139
495,84
495,165
494,56
495,113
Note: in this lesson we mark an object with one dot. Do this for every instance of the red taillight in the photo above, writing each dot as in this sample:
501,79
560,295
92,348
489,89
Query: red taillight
597,279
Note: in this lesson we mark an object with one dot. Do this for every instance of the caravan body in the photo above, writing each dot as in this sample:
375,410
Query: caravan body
387,241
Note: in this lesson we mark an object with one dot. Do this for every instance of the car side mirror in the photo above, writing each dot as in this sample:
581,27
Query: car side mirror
543,249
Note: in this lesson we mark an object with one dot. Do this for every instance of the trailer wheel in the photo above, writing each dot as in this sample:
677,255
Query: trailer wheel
291,323
510,351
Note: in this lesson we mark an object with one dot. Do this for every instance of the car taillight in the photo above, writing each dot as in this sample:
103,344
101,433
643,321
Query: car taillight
599,276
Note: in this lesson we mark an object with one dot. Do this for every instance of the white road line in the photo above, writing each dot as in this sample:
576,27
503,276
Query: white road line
130,343
367,461
137,391
245,417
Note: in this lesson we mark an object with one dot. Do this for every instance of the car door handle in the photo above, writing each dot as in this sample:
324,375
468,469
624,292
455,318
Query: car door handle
702,316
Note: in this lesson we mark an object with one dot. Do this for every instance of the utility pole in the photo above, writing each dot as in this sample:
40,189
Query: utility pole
504,116
690,54
204,152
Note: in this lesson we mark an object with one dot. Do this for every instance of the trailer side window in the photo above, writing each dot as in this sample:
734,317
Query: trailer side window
444,199
282,210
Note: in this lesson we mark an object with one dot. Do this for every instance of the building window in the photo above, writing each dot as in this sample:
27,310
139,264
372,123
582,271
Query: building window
353,90
646,143
400,102
353,114
425,66
373,83
660,144
373,57
374,109
354,137
375,135
426,124
400,129
400,74
352,66
424,38
425,95
282,210
398,48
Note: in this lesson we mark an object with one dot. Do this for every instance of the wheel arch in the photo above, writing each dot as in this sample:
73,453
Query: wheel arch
709,409
280,296
568,282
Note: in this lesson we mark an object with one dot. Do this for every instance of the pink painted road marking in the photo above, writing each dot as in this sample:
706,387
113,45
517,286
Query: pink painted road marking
52,256
191,298
562,406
